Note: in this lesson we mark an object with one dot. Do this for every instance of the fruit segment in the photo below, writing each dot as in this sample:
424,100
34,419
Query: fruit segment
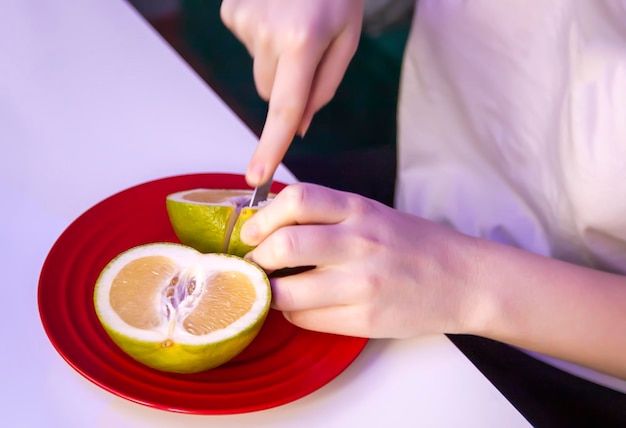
226,298
136,285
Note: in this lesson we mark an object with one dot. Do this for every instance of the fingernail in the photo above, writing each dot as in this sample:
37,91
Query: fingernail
254,175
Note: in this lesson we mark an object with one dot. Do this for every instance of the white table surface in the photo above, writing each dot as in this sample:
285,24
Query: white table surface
93,101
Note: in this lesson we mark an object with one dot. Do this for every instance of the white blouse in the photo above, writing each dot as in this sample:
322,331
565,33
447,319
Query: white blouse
512,124
512,127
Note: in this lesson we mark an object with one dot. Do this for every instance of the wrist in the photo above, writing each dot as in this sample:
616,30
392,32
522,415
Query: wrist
477,300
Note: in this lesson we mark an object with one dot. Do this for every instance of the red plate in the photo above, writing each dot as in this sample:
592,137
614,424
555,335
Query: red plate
283,363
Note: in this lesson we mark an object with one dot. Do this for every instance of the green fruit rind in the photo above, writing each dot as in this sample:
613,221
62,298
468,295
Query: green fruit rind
184,358
235,246
201,226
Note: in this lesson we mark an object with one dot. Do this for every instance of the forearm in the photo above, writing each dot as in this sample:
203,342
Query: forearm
551,307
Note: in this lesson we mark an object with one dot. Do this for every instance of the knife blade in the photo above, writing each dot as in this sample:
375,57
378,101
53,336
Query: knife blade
260,193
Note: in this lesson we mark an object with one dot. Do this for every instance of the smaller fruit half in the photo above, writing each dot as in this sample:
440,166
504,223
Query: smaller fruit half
210,220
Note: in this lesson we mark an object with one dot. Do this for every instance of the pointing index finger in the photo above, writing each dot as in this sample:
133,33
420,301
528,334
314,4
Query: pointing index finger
288,100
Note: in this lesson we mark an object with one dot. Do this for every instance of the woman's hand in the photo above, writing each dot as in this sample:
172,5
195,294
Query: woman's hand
301,50
382,273
378,272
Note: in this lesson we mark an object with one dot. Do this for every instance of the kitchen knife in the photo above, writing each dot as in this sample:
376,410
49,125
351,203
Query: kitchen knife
260,193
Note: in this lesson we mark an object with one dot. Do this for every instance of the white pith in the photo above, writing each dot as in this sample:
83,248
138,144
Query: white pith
203,265
239,198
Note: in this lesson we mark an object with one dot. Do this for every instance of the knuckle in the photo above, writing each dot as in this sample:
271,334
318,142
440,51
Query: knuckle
300,38
305,34
370,232
366,244
372,286
264,34
236,19
295,197
241,21
361,206
227,13
284,245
